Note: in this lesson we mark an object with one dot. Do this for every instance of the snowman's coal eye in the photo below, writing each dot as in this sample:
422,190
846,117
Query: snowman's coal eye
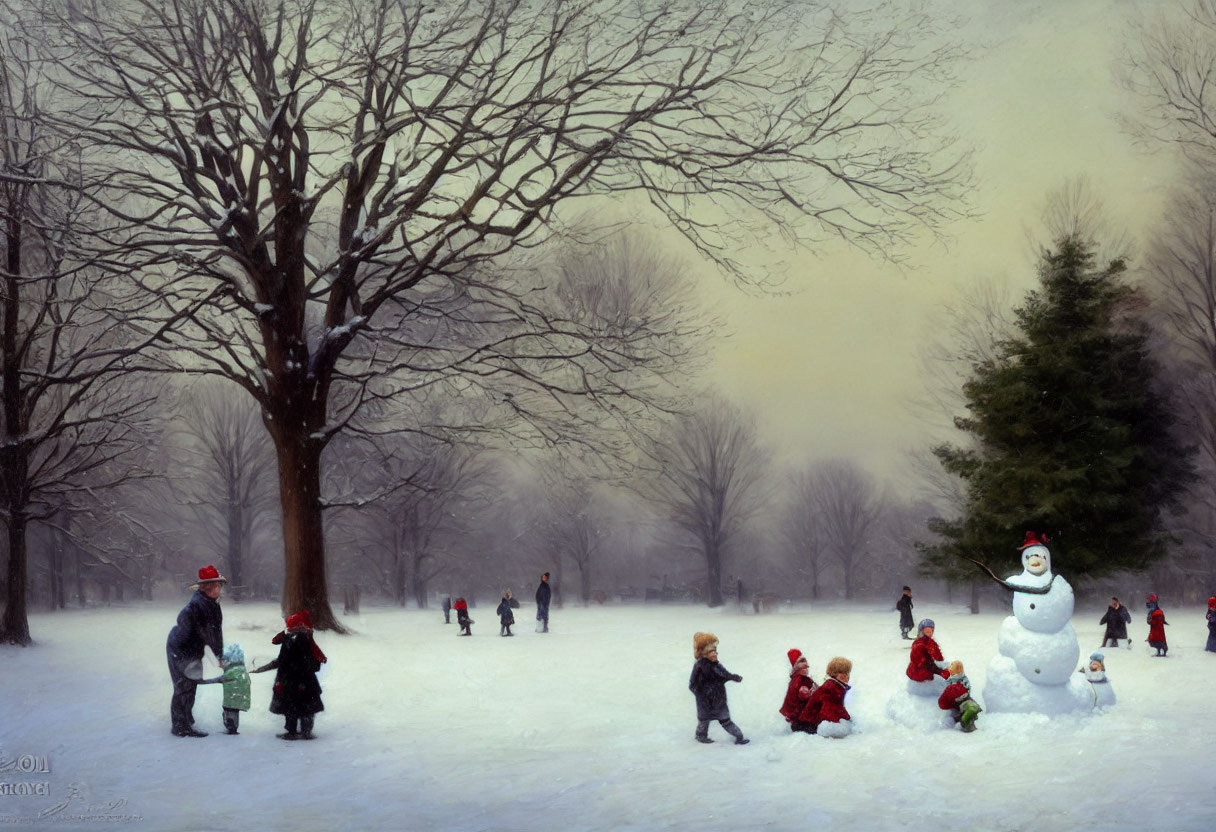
1032,606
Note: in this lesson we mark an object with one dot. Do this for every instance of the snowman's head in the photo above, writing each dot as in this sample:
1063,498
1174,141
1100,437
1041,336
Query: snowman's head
1036,560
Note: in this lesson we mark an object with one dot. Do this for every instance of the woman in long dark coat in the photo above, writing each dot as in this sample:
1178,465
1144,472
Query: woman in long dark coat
1116,618
297,693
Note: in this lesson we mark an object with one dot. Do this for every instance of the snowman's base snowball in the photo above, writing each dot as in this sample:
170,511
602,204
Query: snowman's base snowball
1008,691
835,730
920,713
930,689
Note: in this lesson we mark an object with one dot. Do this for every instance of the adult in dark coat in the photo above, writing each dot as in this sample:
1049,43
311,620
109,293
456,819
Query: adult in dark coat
1116,618
904,605
1211,616
200,624
447,609
297,693
544,594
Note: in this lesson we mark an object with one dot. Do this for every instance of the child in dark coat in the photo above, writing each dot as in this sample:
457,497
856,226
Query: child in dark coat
297,693
956,698
708,685
1211,645
505,617
904,605
825,710
1156,631
800,688
462,617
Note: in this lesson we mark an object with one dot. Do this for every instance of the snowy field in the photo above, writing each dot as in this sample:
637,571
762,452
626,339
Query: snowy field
590,727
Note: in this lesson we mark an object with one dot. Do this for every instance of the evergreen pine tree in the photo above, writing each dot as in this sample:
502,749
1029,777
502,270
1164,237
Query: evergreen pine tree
1072,437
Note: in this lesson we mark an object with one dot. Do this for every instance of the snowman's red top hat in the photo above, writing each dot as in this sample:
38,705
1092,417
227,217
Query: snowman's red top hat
1034,539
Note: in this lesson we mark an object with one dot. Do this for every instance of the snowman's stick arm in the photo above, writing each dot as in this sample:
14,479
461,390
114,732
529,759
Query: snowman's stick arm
1033,590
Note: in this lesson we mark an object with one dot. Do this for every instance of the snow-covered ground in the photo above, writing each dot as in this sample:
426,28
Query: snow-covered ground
590,727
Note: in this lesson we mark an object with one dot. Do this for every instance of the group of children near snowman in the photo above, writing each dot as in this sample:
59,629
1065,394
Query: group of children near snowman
296,693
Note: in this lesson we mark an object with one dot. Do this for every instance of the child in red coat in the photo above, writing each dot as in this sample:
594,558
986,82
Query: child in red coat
926,662
799,691
462,617
825,710
956,698
1156,631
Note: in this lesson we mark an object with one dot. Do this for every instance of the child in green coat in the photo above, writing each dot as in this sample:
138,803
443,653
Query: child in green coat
236,686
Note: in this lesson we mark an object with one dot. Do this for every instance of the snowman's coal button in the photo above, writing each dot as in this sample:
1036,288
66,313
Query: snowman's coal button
1032,606
1036,670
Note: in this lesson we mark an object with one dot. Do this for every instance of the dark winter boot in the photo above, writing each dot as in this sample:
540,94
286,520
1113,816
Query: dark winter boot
306,727
232,720
291,733
706,740
188,732
735,731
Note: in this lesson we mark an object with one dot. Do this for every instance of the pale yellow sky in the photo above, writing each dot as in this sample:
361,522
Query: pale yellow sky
830,370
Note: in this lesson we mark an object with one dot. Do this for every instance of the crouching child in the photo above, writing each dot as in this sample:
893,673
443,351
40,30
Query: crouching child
956,698
297,693
798,691
825,710
708,685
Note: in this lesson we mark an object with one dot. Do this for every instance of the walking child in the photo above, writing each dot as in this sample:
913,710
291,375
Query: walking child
824,710
798,691
708,685
297,693
505,617
462,617
956,698
1152,606
1156,632
904,605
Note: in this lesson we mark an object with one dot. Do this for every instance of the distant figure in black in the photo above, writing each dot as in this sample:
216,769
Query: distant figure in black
297,693
904,605
200,624
1116,618
447,609
544,594
505,617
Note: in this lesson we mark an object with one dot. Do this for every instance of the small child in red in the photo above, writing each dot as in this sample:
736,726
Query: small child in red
799,691
1156,631
825,710
925,660
956,698
462,617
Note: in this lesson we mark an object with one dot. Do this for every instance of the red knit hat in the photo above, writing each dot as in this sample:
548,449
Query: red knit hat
1152,597
300,620
795,656
1212,603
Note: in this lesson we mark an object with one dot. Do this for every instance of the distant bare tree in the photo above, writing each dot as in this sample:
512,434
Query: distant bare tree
222,470
711,468
569,525
847,504
313,174
802,531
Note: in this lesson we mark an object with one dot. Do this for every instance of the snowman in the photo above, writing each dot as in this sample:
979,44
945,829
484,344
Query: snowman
1035,671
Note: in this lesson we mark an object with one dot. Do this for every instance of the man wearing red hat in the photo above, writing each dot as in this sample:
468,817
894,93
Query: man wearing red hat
200,624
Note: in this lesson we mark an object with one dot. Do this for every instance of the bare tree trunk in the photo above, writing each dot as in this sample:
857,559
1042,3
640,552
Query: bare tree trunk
236,533
304,580
713,571
80,594
975,596
419,581
14,456
584,572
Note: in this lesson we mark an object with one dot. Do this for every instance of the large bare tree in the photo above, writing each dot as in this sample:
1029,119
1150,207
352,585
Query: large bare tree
321,173
65,431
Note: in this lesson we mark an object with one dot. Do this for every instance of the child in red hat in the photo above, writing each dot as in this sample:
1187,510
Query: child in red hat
1156,631
297,693
462,617
800,688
